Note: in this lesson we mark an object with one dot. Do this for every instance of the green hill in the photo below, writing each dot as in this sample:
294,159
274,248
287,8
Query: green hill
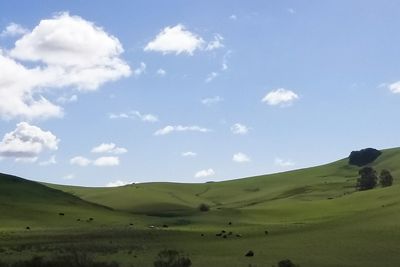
313,216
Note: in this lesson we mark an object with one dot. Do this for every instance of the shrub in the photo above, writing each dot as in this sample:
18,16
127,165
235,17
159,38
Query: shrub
171,258
368,178
287,263
385,178
204,207
363,157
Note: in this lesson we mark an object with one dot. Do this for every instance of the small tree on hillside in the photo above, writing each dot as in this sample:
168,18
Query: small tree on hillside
385,178
368,178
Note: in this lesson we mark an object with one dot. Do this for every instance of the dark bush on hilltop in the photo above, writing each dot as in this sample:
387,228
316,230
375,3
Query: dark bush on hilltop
368,178
287,263
385,178
171,258
204,207
363,157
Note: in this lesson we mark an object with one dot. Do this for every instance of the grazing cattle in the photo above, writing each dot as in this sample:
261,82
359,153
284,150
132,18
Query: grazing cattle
78,220
238,235
250,253
61,214
131,224
218,234
223,231
152,226
230,223
28,228
225,236
202,234
165,226
230,233
266,232
91,219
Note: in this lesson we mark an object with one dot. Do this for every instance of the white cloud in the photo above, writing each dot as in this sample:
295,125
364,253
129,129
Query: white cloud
280,97
224,65
80,161
50,161
13,29
161,72
179,128
26,160
240,158
211,100
62,52
233,17
66,99
238,128
27,142
204,173
176,40
216,43
141,70
109,148
395,87
117,183
211,76
291,11
135,115
106,161
189,154
283,163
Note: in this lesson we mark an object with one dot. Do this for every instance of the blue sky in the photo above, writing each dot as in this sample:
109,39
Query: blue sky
139,91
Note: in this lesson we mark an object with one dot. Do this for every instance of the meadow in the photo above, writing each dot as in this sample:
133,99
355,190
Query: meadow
313,216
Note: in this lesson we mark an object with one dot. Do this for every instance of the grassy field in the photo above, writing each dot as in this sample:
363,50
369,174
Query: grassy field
313,216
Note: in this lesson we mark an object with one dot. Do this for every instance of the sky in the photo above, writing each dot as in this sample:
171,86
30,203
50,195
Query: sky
107,93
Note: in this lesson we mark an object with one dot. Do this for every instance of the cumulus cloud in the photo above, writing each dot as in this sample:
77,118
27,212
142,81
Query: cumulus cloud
13,29
211,100
80,161
117,183
62,52
109,148
161,72
106,161
176,39
238,128
240,158
280,97
179,128
211,76
204,173
134,115
189,154
283,163
50,161
26,142
395,87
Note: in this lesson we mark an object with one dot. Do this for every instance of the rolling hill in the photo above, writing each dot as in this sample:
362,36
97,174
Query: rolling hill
314,216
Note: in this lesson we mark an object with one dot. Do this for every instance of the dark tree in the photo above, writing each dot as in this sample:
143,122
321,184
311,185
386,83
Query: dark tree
204,207
171,258
385,178
368,178
287,263
364,156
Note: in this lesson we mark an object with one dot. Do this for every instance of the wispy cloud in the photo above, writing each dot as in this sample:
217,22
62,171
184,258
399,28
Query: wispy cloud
13,29
189,154
211,76
110,148
134,115
239,128
211,100
179,128
204,173
283,163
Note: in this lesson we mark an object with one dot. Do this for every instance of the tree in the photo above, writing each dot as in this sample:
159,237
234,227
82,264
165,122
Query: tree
368,178
171,258
385,178
363,156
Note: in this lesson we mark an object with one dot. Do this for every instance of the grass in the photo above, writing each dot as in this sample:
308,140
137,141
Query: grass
313,216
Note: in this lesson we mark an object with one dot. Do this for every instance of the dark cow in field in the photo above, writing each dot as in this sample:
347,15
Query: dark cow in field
250,253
